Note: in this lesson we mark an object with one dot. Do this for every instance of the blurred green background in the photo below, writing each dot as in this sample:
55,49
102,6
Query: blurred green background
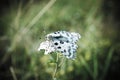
24,24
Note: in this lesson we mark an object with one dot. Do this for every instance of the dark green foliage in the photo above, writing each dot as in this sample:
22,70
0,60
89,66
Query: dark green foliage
22,30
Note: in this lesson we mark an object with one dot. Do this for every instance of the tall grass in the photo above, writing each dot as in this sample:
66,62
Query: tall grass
28,25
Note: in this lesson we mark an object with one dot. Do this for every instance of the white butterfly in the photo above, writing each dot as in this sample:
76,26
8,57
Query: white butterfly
61,41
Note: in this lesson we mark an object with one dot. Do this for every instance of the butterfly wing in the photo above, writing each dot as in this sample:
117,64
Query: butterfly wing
60,35
47,46
67,49
61,41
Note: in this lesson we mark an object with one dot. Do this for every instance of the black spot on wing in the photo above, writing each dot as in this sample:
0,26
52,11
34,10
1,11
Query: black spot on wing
55,43
67,41
59,47
55,32
61,42
64,50
69,51
67,34
58,37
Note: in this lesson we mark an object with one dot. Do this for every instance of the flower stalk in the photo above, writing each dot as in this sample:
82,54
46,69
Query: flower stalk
56,67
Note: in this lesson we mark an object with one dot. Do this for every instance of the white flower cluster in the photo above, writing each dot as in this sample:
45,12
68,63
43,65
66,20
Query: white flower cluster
61,41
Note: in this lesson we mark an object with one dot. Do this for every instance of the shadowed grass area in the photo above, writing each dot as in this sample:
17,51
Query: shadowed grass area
27,24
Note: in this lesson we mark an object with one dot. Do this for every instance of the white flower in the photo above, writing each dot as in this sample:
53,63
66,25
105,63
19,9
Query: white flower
61,41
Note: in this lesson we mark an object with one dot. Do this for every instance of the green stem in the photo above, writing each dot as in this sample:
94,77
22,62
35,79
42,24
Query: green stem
56,67
61,63
107,62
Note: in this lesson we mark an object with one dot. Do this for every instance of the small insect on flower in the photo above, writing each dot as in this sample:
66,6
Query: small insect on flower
61,41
